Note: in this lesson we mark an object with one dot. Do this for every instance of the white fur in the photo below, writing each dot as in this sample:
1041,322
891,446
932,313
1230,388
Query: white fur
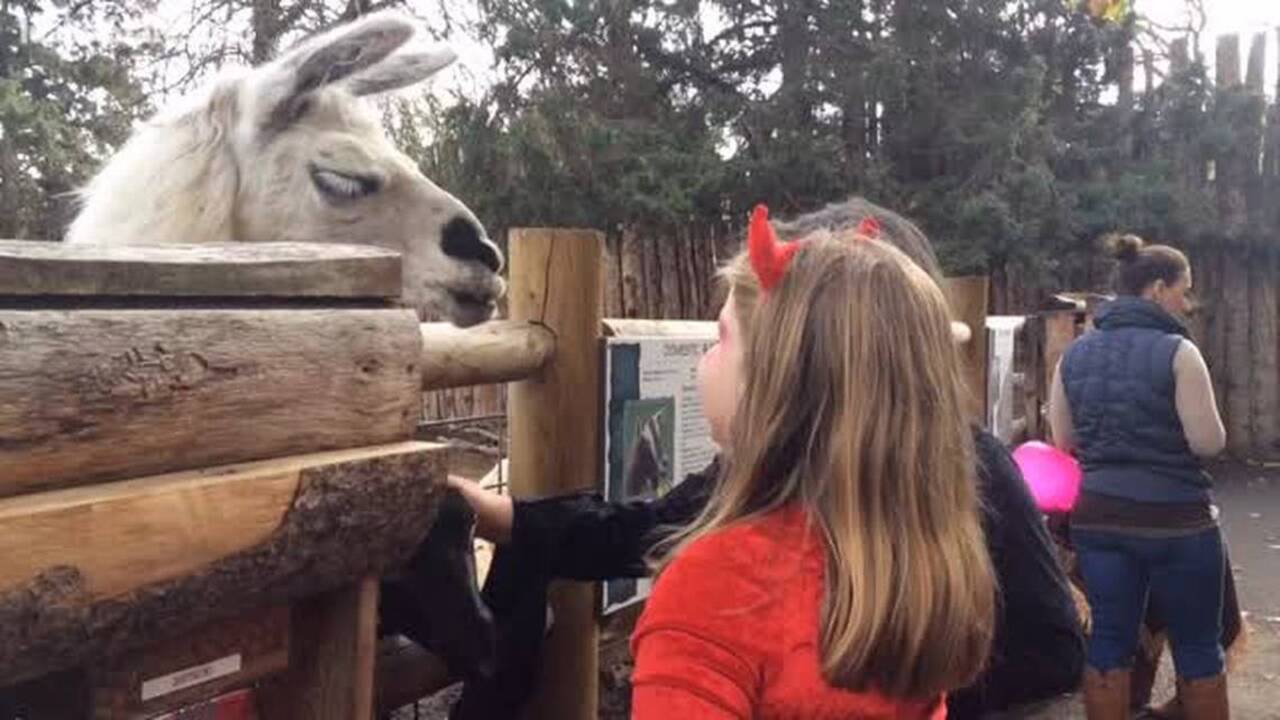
234,163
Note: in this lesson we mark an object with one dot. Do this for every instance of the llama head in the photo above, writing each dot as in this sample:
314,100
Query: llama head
288,152
315,165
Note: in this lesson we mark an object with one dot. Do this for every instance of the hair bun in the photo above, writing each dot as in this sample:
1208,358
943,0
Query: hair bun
1124,248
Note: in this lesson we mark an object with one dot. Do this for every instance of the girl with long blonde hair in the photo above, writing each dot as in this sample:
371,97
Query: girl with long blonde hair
839,569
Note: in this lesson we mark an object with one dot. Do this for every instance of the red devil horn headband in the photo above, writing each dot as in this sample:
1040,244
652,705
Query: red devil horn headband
769,256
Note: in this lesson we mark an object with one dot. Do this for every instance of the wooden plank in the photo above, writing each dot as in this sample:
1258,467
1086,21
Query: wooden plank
230,270
94,571
629,327
94,395
969,298
555,436
1059,333
493,352
194,666
331,673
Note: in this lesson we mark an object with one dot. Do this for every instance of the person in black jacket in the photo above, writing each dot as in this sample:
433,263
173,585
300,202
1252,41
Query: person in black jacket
1038,651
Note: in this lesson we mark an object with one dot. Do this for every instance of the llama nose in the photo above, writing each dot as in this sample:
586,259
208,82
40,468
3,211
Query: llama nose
463,240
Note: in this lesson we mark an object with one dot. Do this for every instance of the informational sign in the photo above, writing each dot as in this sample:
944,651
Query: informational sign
655,433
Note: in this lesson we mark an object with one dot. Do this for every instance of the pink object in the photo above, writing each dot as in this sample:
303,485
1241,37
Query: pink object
1052,475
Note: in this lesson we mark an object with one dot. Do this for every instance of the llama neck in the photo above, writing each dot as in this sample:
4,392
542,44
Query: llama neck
173,182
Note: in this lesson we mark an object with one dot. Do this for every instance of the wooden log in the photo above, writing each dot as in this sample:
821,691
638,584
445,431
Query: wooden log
1256,65
667,249
691,279
194,666
1233,168
493,352
631,260
97,571
613,302
1238,377
653,305
1227,61
555,436
291,270
1215,350
1264,338
331,676
94,395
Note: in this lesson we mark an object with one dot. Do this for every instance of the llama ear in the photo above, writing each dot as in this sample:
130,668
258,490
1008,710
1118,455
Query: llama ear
402,69
279,87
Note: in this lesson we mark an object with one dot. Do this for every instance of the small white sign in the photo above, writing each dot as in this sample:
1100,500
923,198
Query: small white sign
190,677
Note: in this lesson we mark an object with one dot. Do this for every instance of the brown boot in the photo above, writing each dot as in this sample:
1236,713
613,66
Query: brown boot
1204,698
1106,695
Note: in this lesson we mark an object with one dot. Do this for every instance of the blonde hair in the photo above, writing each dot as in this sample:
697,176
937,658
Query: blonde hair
853,408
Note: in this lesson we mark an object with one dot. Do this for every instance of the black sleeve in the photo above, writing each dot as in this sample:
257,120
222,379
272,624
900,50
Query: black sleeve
1039,646
584,537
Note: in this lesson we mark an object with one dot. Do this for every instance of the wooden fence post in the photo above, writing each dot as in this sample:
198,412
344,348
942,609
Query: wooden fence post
554,424
969,298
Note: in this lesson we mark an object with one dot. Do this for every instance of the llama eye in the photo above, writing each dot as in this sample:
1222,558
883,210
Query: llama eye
341,186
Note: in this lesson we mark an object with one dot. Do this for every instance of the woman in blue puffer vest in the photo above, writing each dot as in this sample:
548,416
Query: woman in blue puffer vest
1134,400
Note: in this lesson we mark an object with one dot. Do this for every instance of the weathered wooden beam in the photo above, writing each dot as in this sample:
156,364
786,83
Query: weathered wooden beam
278,270
94,395
493,352
555,435
90,572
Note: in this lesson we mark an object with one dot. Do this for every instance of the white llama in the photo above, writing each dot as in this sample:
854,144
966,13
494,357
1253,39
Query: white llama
288,152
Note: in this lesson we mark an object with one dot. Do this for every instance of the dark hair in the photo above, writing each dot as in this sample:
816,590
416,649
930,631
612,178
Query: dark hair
848,214
1140,265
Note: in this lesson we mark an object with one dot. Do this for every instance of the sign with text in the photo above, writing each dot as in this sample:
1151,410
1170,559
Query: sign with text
655,433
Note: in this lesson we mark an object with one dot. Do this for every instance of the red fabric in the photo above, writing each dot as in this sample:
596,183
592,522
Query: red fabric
731,631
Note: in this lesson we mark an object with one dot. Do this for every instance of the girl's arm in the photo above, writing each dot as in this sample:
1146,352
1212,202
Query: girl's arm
582,536
1197,407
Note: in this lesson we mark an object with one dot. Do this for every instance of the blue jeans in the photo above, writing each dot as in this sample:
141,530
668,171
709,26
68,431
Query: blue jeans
1183,577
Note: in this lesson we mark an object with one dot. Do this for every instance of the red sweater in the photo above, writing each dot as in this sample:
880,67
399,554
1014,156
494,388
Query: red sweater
731,631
